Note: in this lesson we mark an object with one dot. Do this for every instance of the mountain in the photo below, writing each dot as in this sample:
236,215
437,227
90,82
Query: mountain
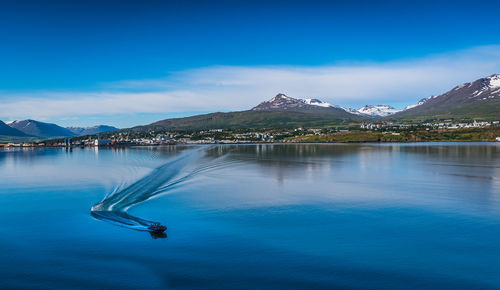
41,129
6,130
282,102
280,111
317,107
475,100
319,103
82,131
371,111
368,110
418,104
377,111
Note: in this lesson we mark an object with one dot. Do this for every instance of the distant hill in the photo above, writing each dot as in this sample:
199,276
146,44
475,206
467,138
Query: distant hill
82,131
41,129
279,112
30,130
475,100
6,130
479,100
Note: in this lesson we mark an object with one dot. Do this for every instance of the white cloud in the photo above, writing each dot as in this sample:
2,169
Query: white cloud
223,88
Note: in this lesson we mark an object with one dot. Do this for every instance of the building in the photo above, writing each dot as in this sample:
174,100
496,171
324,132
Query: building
102,142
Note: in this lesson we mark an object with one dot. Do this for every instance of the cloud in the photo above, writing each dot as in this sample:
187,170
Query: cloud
223,88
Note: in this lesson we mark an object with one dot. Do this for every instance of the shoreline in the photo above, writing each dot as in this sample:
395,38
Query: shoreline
3,146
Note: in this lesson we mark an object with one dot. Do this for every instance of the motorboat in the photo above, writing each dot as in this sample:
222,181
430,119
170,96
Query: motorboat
157,228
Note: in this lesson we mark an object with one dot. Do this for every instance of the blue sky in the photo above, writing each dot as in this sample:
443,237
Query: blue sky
126,63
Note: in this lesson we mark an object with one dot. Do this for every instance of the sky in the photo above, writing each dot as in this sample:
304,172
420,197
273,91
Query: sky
127,63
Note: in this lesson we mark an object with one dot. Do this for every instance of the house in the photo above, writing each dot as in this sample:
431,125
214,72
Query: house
102,142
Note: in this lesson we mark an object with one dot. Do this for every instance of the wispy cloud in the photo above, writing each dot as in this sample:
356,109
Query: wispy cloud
223,88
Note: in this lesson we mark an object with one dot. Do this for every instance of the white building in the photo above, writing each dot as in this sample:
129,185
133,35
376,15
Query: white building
102,142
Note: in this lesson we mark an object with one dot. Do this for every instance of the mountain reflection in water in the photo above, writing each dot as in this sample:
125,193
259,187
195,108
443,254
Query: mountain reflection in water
283,162
349,216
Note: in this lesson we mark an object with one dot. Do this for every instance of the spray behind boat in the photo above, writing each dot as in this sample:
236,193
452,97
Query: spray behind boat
113,208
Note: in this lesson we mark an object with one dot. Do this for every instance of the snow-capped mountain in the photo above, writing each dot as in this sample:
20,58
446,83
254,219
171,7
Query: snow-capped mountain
372,111
351,110
421,102
6,130
477,99
317,102
488,87
40,129
481,97
313,107
480,91
82,131
283,102
47,130
378,110
368,110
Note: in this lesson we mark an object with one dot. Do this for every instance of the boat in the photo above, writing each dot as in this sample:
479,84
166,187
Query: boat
157,228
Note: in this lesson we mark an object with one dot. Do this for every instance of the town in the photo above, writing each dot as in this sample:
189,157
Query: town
363,131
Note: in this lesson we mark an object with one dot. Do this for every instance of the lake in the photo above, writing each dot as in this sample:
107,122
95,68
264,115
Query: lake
270,216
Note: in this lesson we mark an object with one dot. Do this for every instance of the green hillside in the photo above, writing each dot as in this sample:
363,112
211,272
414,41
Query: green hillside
255,119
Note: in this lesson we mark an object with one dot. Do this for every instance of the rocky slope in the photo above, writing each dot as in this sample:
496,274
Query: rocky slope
479,99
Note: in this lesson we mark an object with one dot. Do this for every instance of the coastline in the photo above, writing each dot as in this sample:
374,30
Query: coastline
3,146
272,136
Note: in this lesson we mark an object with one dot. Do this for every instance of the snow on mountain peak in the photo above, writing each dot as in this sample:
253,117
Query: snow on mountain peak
487,85
280,96
368,110
494,81
421,102
281,101
378,110
317,102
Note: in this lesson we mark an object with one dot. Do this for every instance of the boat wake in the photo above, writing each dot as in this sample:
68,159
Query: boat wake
165,178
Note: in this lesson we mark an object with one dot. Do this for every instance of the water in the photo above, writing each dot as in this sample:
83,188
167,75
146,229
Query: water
252,216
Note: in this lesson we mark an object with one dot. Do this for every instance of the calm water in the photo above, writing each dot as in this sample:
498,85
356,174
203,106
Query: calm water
266,216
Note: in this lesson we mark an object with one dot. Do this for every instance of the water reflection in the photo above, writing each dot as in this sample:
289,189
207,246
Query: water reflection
308,216
451,171
161,180
428,173
385,169
286,161
157,235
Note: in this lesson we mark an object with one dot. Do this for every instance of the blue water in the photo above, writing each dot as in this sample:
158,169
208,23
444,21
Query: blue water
252,216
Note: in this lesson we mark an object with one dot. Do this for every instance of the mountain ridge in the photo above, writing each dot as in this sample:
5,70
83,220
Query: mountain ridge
283,102
82,131
6,130
479,99
40,129
280,111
